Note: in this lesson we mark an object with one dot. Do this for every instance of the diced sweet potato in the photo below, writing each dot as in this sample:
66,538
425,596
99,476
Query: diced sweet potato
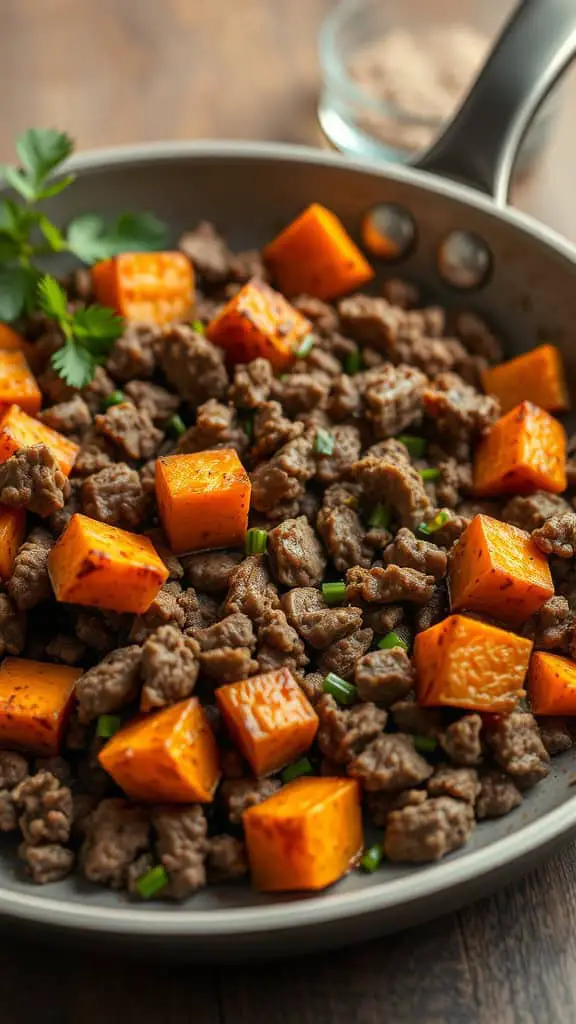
464,663
12,531
170,755
203,499
36,700
523,452
100,565
258,321
305,836
17,383
19,430
497,569
269,718
552,684
536,376
316,255
151,287
10,340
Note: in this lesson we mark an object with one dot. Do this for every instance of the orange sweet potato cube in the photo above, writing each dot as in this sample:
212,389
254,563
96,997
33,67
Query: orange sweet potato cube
269,718
36,700
523,452
259,321
316,255
536,376
19,430
18,383
497,569
305,836
551,684
203,499
170,755
464,663
12,532
100,565
150,287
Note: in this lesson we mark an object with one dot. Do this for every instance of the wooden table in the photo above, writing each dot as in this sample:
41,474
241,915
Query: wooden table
133,70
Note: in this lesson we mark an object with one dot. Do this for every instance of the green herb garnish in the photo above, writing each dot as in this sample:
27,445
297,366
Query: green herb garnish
380,518
436,523
424,744
324,442
343,692
334,593
305,347
88,333
392,639
416,445
294,771
372,858
429,474
353,363
176,426
107,725
114,398
256,541
152,882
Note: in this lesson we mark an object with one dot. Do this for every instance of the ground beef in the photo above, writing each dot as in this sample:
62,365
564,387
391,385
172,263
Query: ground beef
95,454
279,644
460,413
115,834
227,859
555,735
228,664
451,530
400,293
317,624
429,831
156,401
193,366
133,354
516,744
531,511
341,656
8,813
131,430
166,609
345,732
557,536
383,618
552,627
379,805
115,496
161,544
215,427
251,590
498,795
210,571
384,676
67,649
95,631
477,337
30,582
199,610
388,585
182,847
56,766
272,430
389,763
45,809
169,668
109,685
59,519
408,552
393,475
462,741
295,555
281,481
344,398
323,316
371,321
67,417
32,479
460,783
392,398
238,795
433,611
251,385
208,251
232,631
12,627
50,862
301,392
347,444
13,769
312,685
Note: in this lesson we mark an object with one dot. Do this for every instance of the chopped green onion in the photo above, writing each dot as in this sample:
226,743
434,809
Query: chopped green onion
415,445
247,423
176,425
114,398
392,639
198,326
351,501
372,858
256,541
435,524
424,744
324,442
152,882
305,347
429,474
294,771
343,692
353,362
107,725
380,517
334,593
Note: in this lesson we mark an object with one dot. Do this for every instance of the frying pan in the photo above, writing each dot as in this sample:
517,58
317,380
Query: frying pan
527,292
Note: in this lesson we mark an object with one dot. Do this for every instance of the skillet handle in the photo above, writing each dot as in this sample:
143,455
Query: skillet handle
479,146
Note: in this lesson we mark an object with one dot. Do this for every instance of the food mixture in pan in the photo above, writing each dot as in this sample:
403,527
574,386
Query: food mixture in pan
279,558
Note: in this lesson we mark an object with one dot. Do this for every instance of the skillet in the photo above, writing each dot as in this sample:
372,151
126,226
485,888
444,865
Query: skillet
525,288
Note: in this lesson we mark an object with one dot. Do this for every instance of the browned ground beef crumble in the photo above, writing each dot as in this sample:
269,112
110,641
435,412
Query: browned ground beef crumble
426,774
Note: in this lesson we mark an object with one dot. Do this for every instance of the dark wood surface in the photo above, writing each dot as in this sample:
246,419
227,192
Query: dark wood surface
133,70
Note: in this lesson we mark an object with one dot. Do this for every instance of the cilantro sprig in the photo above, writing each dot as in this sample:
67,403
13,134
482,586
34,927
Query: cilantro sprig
88,333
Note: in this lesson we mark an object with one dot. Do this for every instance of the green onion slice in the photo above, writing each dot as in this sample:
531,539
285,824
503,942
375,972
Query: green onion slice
424,744
353,363
429,474
107,725
380,517
256,541
435,524
198,326
152,882
294,771
415,445
176,425
305,347
324,442
334,593
392,639
114,398
372,858
343,692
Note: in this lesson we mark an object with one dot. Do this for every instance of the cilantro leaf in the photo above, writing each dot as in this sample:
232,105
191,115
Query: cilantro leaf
89,333
91,238
9,247
75,364
18,181
16,287
40,151
52,299
56,187
97,323
51,233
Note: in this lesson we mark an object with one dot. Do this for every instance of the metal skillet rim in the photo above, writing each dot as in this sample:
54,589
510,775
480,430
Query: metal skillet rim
331,906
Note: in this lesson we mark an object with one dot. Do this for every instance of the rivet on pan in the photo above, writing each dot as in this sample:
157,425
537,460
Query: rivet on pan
464,260
388,231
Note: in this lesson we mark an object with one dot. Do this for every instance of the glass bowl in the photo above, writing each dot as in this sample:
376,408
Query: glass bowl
394,75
